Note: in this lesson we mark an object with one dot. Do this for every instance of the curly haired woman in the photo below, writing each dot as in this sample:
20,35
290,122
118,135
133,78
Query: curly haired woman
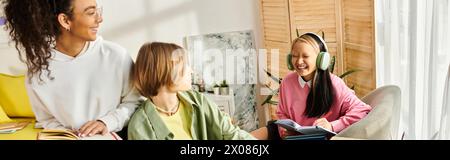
76,80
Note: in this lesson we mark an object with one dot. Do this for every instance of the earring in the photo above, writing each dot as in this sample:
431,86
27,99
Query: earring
68,29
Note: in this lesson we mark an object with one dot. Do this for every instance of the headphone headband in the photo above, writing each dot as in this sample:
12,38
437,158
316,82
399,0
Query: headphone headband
322,44
323,57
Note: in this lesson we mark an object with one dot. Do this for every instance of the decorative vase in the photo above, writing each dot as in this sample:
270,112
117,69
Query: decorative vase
216,90
224,91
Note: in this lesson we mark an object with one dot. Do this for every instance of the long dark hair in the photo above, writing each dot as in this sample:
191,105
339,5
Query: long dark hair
320,97
33,26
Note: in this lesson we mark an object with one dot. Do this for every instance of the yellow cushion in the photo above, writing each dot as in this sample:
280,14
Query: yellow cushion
13,96
28,133
3,117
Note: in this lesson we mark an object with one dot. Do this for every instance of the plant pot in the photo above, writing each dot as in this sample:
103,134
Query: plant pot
216,90
224,91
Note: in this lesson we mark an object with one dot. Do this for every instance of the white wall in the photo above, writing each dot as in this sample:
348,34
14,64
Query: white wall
9,59
132,24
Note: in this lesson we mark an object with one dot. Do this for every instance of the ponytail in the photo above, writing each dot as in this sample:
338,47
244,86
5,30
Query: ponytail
320,98
33,26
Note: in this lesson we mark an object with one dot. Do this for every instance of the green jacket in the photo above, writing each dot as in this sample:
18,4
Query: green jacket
208,122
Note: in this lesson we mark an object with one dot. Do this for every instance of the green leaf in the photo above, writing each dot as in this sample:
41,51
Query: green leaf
349,72
267,100
323,34
224,84
273,102
273,77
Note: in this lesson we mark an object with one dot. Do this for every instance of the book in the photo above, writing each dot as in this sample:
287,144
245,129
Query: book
307,137
57,134
12,127
346,138
290,125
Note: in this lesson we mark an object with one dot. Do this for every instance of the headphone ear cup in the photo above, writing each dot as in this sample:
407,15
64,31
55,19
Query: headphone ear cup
323,61
289,62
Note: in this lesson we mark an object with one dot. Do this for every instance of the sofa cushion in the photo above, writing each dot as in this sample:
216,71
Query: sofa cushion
3,117
378,124
13,96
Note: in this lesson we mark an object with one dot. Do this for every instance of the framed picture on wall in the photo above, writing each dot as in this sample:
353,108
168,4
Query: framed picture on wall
229,56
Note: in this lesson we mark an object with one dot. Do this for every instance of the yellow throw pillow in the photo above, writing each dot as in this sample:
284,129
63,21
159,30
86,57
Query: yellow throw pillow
3,117
13,96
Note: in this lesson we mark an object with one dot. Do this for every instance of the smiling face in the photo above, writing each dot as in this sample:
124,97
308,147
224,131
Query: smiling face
85,20
304,55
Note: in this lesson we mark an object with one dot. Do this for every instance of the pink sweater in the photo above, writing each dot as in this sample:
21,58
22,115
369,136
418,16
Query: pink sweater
345,110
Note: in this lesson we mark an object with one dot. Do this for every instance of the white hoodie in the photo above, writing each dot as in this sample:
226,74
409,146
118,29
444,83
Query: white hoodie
95,85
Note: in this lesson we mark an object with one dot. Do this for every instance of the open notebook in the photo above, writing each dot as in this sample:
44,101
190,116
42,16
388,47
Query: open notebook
53,134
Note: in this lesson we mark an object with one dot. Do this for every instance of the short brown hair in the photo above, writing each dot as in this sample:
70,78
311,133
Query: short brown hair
156,66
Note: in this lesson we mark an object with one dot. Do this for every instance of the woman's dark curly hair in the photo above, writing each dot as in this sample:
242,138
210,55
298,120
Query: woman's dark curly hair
34,27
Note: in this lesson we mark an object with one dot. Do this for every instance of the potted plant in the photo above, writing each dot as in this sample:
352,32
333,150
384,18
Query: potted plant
216,89
224,88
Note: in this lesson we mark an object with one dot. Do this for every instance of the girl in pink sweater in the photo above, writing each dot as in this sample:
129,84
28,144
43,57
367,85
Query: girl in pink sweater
312,95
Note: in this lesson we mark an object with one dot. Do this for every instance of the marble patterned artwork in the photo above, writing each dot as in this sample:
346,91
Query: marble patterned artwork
228,56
